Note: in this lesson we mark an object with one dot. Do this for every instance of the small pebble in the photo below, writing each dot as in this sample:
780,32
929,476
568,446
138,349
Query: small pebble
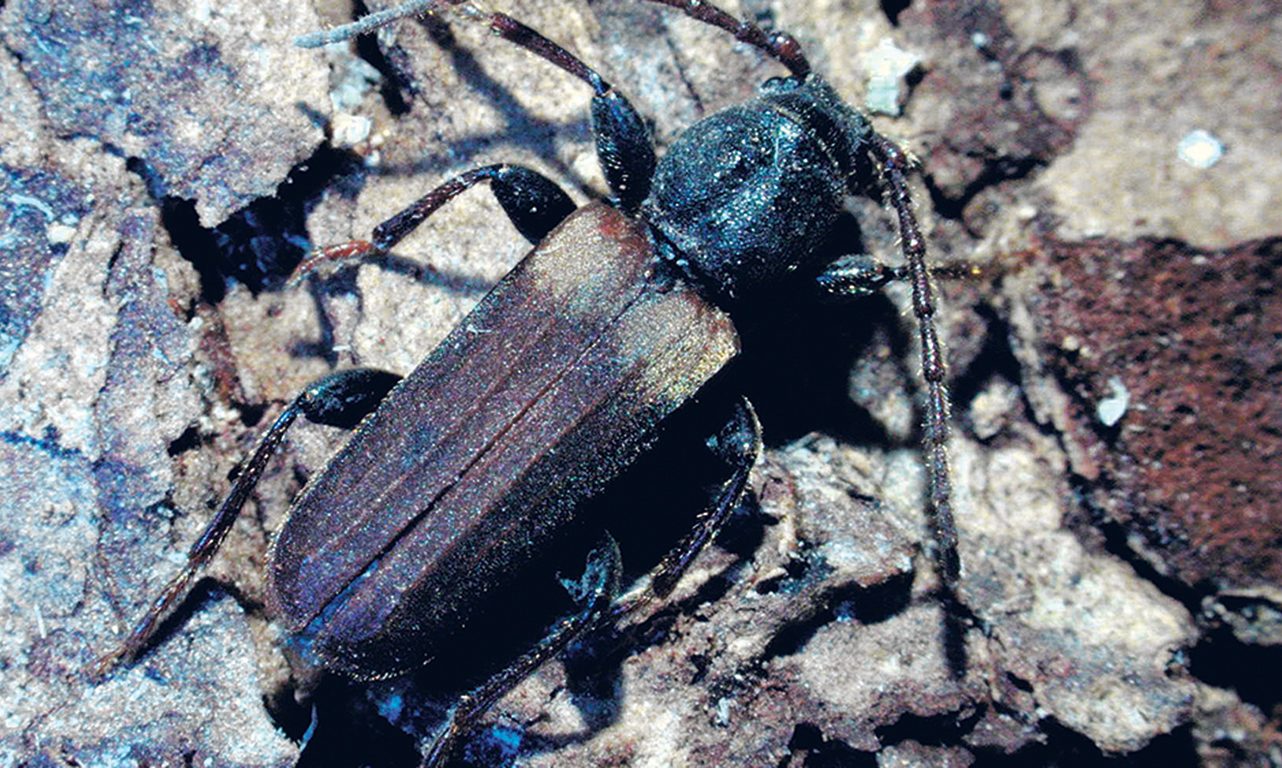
1200,149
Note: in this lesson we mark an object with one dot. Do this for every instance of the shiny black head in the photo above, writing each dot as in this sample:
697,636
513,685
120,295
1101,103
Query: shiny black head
750,193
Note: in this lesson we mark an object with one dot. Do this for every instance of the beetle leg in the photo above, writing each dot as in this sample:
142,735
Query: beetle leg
738,445
594,593
340,399
861,274
534,204
623,142
344,398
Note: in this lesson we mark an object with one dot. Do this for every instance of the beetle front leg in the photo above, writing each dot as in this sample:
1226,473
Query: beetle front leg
623,143
594,593
860,274
340,399
737,444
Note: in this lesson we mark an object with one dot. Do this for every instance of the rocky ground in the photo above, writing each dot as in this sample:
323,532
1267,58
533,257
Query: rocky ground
164,165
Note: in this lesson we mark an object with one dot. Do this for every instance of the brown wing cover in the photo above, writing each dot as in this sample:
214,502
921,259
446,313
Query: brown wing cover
541,396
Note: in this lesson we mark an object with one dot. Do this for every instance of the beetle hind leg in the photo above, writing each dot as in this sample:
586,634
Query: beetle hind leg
593,592
737,444
340,399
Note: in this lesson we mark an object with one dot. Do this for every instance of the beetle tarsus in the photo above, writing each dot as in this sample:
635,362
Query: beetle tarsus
355,249
594,593
370,22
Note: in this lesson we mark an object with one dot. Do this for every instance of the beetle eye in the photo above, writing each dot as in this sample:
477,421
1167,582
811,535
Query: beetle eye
779,85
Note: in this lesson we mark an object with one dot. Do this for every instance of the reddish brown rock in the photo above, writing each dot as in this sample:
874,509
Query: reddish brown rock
1190,339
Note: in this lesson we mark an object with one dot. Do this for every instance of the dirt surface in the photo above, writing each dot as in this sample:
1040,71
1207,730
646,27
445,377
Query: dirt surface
164,165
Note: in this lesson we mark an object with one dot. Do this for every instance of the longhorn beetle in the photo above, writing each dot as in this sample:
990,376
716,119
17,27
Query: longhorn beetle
460,473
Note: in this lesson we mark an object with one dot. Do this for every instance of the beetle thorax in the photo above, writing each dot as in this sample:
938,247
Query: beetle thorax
749,194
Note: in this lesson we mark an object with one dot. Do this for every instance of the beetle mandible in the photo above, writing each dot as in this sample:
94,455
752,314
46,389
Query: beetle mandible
455,478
